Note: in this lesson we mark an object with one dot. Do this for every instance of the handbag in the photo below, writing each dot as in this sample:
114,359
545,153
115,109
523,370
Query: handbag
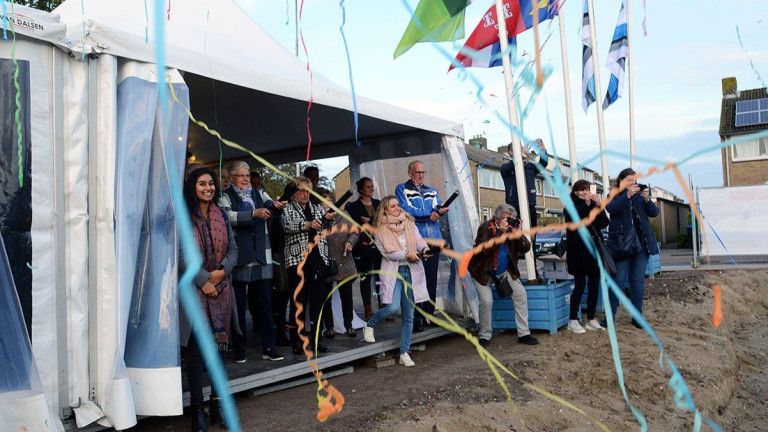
608,263
626,242
605,254
332,269
503,287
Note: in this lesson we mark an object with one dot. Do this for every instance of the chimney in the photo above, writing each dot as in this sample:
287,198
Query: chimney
503,149
479,141
730,89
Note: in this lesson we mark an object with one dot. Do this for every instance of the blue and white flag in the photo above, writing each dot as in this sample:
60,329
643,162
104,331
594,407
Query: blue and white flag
617,58
588,73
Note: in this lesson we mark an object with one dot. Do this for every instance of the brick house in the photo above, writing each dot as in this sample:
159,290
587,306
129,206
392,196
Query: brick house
744,112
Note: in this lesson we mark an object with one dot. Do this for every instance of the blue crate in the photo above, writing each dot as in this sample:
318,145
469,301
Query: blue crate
654,266
548,307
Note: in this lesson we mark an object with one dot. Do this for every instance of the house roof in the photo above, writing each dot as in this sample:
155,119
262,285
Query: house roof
728,113
488,158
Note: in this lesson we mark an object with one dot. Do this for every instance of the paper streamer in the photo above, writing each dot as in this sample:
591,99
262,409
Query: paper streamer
311,81
349,67
717,315
17,114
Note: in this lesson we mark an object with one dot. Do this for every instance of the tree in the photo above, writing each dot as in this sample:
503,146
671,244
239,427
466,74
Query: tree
46,5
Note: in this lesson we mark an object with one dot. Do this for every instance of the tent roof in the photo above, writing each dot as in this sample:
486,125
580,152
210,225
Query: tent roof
259,91
34,24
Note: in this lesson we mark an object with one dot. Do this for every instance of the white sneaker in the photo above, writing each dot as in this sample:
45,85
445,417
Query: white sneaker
368,334
406,361
574,326
593,325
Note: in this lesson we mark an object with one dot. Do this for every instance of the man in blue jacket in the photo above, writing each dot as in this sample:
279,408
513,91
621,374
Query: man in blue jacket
531,169
423,203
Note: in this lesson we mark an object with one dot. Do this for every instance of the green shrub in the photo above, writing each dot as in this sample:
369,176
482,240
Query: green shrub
682,238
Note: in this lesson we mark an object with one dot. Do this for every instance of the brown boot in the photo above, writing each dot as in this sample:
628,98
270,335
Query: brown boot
368,312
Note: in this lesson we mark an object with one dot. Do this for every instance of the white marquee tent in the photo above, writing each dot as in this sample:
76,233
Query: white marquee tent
90,236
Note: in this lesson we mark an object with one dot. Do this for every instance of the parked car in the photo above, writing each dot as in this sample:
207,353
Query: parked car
550,242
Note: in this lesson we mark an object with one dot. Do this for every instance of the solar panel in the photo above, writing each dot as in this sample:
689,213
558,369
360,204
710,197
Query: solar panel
751,105
748,119
752,112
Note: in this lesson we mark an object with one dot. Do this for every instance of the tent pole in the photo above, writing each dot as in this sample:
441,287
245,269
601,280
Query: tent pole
522,191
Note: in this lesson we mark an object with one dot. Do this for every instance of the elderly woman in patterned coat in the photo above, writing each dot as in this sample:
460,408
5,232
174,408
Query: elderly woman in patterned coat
303,222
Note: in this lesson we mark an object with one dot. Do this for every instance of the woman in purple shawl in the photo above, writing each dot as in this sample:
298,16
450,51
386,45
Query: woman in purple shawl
212,284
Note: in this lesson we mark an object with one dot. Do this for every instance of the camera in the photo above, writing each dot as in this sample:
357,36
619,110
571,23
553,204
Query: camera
513,222
642,187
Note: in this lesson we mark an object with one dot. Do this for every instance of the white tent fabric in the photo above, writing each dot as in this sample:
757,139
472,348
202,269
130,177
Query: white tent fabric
740,225
200,39
255,78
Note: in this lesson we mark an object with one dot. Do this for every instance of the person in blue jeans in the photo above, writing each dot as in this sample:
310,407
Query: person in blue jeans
632,207
402,249
424,204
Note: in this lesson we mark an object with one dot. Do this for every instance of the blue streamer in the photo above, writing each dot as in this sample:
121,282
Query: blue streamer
716,235
82,16
752,64
349,67
5,21
187,295
480,166
146,28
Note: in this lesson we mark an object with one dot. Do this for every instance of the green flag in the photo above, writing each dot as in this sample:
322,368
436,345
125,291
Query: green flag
434,21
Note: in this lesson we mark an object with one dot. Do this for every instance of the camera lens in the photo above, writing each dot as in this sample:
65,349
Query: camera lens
514,222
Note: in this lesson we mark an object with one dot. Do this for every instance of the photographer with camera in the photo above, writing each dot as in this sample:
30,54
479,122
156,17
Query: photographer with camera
629,212
498,265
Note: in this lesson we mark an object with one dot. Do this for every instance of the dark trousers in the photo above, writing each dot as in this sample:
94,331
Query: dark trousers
580,282
280,300
258,295
364,263
310,296
195,366
431,265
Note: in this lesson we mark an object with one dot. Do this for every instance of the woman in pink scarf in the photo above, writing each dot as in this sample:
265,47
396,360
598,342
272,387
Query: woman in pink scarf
402,249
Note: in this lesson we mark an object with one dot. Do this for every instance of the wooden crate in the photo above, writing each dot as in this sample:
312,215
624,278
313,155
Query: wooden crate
548,307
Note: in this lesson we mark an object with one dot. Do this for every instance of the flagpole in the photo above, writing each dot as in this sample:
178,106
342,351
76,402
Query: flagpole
631,98
598,105
517,157
567,86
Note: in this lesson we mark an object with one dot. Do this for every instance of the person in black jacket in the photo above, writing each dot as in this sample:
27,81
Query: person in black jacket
581,264
531,169
367,257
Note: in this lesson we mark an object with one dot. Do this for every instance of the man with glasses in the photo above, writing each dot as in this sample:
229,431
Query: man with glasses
423,203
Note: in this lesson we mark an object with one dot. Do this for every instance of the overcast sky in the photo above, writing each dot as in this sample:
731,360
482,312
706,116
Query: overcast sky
690,46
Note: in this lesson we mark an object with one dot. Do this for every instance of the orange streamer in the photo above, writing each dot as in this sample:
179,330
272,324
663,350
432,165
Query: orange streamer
717,316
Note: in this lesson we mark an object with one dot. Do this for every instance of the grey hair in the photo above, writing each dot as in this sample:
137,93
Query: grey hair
410,165
504,208
238,165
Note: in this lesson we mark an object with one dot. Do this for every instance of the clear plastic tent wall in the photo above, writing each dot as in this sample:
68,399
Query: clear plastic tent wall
454,294
145,367
152,339
22,402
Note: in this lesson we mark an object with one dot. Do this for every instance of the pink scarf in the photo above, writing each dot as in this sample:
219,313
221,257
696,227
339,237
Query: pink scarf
391,227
